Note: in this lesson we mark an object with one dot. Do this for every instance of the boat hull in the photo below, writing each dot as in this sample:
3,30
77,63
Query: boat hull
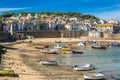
77,52
39,47
49,63
66,49
49,51
115,44
94,76
84,68
98,47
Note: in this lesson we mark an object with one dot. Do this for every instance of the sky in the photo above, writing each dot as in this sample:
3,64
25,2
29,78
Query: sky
103,9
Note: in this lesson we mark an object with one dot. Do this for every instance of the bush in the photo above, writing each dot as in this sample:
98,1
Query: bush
7,73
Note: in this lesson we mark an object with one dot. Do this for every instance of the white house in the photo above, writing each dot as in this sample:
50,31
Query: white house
73,19
52,26
72,26
102,21
94,34
113,21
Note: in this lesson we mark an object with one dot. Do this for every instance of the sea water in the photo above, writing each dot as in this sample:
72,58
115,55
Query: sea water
106,61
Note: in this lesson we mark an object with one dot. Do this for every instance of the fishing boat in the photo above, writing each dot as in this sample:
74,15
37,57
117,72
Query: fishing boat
83,68
93,76
49,51
66,49
77,52
49,63
98,46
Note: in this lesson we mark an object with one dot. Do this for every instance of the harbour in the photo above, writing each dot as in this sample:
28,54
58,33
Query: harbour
105,61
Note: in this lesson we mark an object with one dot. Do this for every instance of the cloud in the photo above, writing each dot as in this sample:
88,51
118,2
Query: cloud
104,8
108,15
10,9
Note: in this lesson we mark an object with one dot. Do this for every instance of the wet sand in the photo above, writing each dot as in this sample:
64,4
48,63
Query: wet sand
23,59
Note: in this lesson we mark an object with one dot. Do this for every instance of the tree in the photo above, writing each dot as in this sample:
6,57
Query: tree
58,13
8,14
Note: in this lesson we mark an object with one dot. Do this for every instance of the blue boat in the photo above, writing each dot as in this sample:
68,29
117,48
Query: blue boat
114,44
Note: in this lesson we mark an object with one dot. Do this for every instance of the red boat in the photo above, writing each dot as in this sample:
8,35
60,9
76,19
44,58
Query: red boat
46,46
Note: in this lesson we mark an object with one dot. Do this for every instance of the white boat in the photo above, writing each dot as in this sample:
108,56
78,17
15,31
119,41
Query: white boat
49,51
59,46
43,50
82,44
98,46
96,76
83,68
49,63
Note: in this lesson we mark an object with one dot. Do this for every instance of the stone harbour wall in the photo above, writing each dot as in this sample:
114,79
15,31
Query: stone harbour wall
54,34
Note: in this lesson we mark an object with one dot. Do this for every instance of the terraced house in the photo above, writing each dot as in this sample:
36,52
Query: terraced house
108,28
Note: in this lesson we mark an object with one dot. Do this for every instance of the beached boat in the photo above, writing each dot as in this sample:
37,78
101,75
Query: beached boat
82,44
49,51
39,47
57,41
46,46
49,63
83,68
93,76
66,49
77,52
69,45
59,46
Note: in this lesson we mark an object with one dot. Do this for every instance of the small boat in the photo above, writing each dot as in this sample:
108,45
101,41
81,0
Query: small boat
82,44
99,47
69,45
46,46
114,44
39,47
93,76
49,51
66,49
83,68
59,46
49,63
77,52
57,41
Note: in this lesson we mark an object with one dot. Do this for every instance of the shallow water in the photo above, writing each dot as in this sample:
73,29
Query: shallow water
106,61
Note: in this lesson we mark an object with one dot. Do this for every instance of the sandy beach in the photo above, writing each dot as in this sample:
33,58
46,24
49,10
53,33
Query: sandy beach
23,59
37,40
